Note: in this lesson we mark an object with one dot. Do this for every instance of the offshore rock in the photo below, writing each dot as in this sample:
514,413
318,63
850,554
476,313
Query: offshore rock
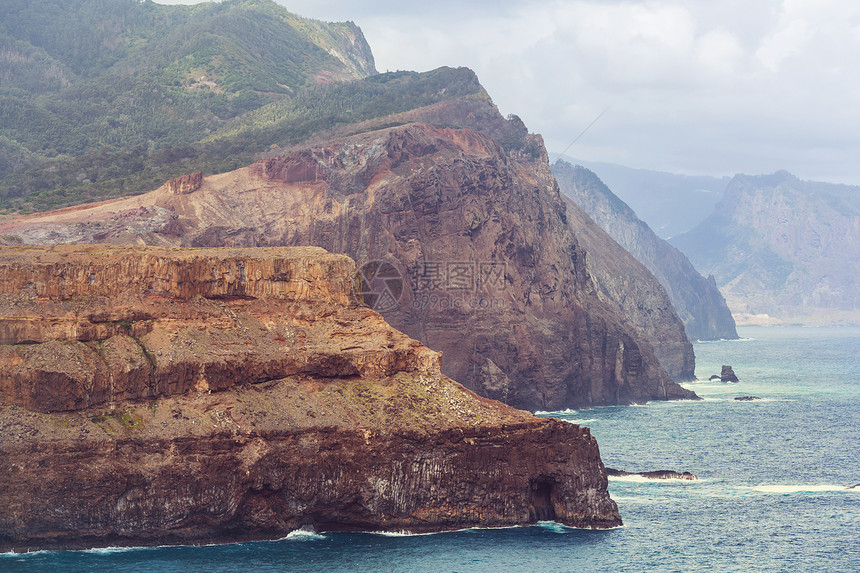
657,474
156,395
491,273
727,374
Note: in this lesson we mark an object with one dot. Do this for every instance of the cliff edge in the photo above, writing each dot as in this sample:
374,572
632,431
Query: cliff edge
158,395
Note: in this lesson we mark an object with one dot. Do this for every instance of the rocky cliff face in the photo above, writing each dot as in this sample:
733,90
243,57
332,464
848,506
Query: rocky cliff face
153,396
784,248
484,265
623,282
696,299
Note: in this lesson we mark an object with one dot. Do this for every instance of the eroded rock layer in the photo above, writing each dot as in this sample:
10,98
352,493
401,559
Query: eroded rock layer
153,396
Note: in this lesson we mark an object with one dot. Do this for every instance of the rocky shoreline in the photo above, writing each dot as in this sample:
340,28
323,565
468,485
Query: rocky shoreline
199,433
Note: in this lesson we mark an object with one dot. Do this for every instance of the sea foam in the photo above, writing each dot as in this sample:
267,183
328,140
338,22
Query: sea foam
790,489
303,533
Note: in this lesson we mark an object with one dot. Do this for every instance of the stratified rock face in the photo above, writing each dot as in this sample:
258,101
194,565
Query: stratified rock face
783,248
492,274
186,184
696,300
81,327
184,396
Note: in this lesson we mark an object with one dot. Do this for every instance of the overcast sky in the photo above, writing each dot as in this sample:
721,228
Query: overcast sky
699,87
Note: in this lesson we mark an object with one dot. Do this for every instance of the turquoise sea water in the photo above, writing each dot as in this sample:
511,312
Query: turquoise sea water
771,495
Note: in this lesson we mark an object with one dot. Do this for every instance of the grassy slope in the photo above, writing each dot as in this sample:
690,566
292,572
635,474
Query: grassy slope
105,98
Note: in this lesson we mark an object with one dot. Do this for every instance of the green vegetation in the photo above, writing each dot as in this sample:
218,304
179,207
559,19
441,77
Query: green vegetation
129,418
106,98
100,98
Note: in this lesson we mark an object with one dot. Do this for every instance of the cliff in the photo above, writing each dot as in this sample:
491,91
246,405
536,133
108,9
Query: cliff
782,248
155,395
696,299
470,223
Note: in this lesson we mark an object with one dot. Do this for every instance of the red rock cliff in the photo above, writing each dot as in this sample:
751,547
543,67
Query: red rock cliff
159,395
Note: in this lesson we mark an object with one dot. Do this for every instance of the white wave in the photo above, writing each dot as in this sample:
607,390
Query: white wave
789,489
16,554
642,500
567,412
400,533
549,525
304,533
407,533
578,422
112,549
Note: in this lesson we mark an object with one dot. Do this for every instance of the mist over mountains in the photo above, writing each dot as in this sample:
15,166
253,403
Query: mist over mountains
670,203
783,247
696,299
780,249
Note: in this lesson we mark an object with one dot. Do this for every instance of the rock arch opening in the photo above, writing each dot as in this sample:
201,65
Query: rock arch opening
541,507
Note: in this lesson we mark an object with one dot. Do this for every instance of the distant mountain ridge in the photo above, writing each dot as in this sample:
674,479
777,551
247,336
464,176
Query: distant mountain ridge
696,299
99,99
783,247
670,203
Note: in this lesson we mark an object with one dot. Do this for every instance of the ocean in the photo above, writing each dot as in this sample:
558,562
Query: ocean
771,495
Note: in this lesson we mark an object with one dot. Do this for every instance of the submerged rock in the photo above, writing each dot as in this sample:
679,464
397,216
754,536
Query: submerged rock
747,398
154,396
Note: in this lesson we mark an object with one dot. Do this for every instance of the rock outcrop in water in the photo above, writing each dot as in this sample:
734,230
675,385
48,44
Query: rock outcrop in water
657,474
727,374
490,271
153,395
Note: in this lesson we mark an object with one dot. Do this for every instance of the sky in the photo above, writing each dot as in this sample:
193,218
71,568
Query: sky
697,87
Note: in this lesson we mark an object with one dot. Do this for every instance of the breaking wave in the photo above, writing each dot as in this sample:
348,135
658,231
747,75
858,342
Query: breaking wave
303,533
